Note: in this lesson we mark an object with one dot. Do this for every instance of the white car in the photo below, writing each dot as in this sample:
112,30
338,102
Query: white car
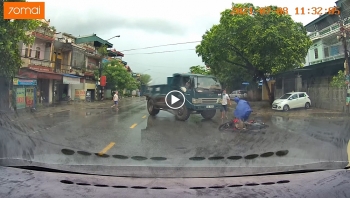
239,94
292,100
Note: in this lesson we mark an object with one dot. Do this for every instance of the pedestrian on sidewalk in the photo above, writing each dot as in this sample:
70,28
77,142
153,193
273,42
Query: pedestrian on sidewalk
115,99
224,101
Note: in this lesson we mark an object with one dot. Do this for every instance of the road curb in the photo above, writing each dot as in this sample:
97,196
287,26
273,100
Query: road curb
308,113
66,107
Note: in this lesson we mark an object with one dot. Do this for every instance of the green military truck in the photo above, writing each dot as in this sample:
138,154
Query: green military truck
196,94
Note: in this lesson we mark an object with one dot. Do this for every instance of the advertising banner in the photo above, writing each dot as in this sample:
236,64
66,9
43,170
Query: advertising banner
80,94
20,98
29,97
71,81
17,81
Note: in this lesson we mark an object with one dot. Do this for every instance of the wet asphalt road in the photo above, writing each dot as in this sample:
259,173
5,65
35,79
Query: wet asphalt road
131,137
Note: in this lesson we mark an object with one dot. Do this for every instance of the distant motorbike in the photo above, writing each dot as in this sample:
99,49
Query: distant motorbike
249,126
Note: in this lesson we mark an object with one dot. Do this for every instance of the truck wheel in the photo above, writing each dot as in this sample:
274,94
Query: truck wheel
182,113
208,114
150,107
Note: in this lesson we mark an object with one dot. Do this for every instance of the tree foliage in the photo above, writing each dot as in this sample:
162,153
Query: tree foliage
229,75
103,50
339,80
200,70
145,79
118,77
11,33
258,44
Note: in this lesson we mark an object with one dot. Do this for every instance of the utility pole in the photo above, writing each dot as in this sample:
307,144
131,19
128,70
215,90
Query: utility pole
99,79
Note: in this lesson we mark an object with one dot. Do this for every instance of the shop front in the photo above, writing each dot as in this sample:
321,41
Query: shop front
45,82
65,89
90,86
24,93
90,89
77,90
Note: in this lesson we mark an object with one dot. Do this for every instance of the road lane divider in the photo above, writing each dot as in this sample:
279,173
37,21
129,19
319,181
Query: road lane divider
133,126
109,146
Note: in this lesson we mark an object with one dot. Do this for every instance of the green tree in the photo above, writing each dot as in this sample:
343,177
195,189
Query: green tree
200,70
102,50
229,75
339,80
259,44
117,76
11,33
145,79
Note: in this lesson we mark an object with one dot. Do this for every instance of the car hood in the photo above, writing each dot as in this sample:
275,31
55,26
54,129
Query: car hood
279,101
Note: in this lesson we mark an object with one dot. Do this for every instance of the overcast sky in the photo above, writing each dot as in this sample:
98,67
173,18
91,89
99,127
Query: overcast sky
154,22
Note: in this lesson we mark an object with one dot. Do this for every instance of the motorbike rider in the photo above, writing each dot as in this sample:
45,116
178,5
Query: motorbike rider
242,112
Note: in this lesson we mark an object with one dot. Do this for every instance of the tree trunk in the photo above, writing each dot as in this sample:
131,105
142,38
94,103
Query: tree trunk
267,89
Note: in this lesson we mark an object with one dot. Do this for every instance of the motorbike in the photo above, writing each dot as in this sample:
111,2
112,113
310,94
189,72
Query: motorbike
249,125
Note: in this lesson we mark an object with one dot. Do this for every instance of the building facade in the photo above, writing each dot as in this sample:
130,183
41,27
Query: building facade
93,60
323,32
57,67
323,61
37,64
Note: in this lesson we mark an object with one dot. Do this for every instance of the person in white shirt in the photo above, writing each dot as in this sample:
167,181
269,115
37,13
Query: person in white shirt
115,99
225,100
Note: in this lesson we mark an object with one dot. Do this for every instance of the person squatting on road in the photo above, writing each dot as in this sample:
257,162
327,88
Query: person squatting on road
242,112
115,99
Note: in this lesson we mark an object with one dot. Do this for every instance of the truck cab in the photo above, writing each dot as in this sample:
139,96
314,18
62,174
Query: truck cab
202,95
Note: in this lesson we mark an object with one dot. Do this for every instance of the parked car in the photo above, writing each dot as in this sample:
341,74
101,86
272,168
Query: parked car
292,100
238,93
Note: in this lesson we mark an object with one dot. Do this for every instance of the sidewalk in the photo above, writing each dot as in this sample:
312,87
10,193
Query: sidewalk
263,108
42,111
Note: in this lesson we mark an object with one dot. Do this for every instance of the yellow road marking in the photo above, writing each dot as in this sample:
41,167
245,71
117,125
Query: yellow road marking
348,151
133,126
144,116
109,146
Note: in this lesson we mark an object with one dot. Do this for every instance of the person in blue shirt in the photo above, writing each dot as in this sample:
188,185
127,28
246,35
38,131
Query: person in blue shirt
242,111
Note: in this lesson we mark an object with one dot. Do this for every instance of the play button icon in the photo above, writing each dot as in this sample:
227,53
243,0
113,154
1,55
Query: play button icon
175,99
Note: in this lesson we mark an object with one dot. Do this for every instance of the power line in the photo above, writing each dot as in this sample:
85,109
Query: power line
160,46
161,52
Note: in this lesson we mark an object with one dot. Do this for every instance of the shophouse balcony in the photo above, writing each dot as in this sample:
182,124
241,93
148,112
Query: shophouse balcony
44,33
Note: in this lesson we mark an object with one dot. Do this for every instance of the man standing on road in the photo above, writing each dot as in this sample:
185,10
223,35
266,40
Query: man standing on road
115,99
225,100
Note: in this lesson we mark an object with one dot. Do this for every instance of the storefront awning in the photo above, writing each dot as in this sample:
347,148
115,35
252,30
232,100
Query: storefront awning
71,79
39,74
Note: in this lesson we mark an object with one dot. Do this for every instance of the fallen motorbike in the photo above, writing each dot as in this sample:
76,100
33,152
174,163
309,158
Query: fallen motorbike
249,126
